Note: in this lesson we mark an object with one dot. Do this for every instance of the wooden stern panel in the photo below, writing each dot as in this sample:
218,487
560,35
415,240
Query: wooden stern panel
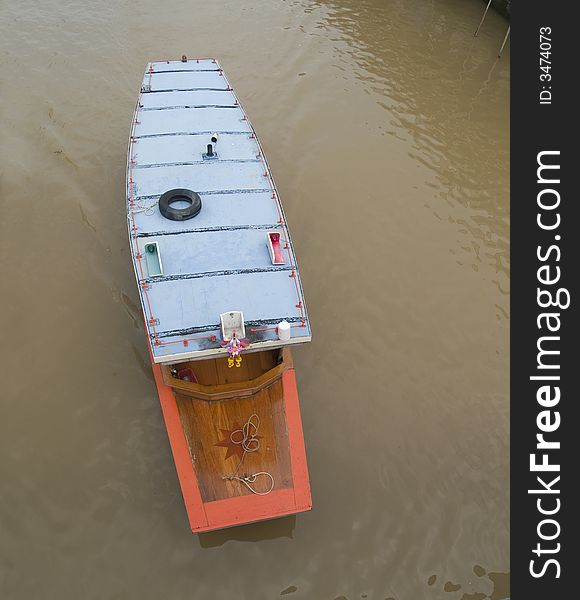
194,425
207,424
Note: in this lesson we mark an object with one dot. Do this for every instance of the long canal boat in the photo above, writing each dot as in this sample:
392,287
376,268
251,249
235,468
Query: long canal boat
221,297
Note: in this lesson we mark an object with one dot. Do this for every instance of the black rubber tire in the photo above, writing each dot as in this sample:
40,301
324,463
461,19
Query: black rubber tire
179,214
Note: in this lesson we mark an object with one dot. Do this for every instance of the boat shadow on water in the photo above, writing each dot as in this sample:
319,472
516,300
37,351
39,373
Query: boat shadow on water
254,532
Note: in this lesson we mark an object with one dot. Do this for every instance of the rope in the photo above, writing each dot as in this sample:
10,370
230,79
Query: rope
141,207
248,479
247,438
249,443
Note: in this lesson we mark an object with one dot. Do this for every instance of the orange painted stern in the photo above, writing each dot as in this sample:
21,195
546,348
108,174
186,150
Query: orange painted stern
206,514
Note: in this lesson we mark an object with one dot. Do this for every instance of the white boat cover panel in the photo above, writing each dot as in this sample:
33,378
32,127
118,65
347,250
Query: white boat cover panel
217,261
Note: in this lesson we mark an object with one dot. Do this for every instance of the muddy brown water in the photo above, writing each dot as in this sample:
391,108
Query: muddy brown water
386,127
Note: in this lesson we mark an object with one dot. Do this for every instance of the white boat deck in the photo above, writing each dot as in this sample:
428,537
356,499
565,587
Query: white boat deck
218,261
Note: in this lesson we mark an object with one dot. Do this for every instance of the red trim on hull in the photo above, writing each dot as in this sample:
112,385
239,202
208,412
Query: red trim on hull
181,456
296,439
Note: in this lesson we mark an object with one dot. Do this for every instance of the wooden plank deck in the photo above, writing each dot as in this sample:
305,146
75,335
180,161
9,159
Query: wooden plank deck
206,424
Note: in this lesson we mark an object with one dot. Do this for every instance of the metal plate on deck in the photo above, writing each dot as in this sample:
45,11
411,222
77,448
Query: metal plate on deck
185,80
219,260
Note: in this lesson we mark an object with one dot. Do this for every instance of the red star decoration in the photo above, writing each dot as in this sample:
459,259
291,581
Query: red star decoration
232,448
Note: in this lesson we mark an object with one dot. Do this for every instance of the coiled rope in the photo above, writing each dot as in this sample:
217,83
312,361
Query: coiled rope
141,207
247,438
